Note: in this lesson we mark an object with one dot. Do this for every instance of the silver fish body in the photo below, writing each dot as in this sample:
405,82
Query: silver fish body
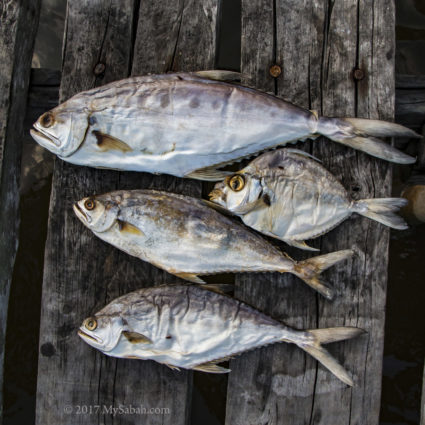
193,328
188,126
186,237
288,195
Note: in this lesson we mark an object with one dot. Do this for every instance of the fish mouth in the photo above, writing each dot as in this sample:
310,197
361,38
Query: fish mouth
80,213
43,138
86,336
217,196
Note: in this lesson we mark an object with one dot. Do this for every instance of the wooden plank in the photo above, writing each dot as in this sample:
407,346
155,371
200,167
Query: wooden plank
318,45
19,22
82,273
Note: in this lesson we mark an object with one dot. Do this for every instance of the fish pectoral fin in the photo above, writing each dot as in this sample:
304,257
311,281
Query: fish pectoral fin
300,245
219,75
208,174
211,367
217,207
191,277
302,153
105,142
136,338
126,227
172,367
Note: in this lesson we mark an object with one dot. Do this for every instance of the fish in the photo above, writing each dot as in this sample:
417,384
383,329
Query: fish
189,327
188,238
192,125
289,195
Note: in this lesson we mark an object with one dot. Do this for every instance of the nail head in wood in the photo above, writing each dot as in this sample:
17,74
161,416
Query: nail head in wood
275,71
358,74
99,69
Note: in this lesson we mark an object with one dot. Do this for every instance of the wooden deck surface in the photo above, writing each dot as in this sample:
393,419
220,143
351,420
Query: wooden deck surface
19,21
318,45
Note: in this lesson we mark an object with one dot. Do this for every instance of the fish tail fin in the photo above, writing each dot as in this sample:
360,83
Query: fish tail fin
309,270
327,335
361,133
382,210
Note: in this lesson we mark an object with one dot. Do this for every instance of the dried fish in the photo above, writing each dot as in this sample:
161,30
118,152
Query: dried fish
193,328
290,196
188,125
187,238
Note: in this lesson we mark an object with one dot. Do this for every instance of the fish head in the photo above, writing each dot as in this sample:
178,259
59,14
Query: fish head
63,129
238,193
102,332
98,213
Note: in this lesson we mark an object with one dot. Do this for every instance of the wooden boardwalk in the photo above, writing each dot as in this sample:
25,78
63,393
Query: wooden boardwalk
317,45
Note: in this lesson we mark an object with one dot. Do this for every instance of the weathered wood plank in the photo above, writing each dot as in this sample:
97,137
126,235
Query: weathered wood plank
318,45
81,272
19,22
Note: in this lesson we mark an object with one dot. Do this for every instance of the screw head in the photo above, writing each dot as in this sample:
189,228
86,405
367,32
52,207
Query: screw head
275,71
358,74
99,69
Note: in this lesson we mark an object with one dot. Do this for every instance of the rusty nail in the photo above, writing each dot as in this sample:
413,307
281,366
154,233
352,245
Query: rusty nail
99,69
358,74
275,71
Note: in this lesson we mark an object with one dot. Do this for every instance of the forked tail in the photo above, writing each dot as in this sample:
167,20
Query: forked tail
309,270
360,134
325,336
382,210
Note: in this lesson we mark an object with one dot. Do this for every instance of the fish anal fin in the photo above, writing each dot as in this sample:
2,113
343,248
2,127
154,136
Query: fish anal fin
136,337
210,367
208,174
191,277
300,245
126,227
105,142
172,367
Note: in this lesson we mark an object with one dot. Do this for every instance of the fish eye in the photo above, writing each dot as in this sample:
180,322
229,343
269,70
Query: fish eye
237,182
89,204
47,120
91,324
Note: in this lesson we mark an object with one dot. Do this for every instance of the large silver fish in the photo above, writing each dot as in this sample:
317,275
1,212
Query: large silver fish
193,328
189,126
185,237
290,196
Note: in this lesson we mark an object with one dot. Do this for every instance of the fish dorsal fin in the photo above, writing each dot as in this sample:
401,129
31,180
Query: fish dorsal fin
219,75
105,142
217,207
211,367
126,227
219,288
209,174
302,153
136,338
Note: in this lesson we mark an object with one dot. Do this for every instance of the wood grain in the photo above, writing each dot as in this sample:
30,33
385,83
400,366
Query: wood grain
19,23
81,272
318,45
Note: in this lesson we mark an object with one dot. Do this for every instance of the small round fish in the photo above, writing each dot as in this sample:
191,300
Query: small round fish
189,125
186,237
189,327
288,195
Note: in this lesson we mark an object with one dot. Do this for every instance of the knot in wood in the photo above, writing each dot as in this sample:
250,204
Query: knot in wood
99,69
275,71
358,74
